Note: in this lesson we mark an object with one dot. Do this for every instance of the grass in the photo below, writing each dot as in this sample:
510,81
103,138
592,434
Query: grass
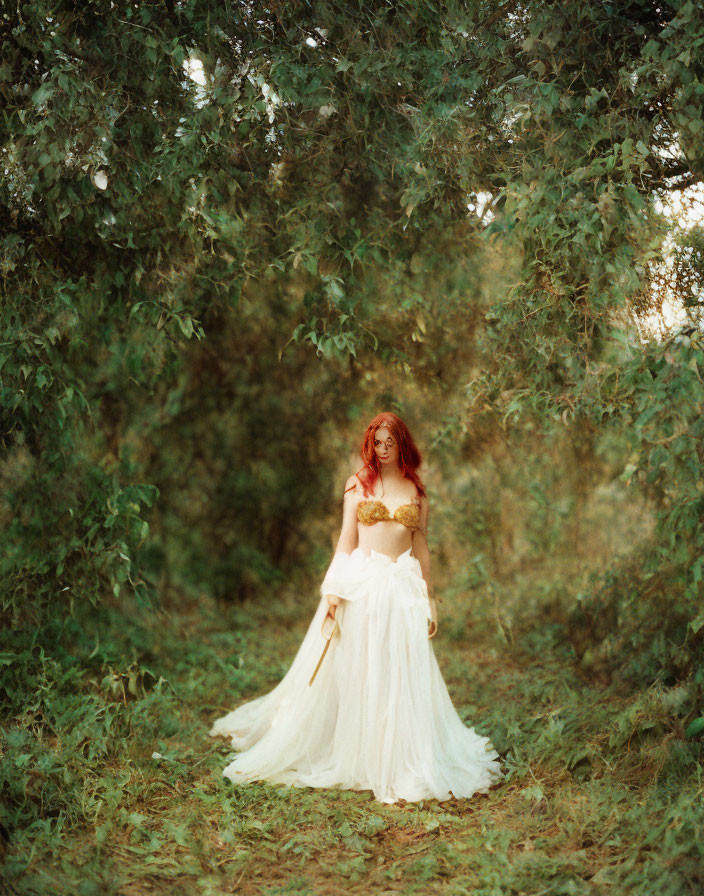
603,793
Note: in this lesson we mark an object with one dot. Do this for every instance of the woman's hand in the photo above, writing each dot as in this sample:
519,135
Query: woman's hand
333,601
433,622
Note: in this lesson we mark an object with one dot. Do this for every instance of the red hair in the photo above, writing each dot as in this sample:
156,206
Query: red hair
409,457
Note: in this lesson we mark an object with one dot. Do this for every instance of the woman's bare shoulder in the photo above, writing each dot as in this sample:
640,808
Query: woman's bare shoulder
353,486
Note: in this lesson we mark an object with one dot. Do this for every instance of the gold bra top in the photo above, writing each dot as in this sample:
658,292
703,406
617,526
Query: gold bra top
373,511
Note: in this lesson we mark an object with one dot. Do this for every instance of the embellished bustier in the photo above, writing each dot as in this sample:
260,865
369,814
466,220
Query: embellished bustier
373,511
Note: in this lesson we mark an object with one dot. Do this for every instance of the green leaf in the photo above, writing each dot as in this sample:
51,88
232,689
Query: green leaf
42,94
695,728
186,325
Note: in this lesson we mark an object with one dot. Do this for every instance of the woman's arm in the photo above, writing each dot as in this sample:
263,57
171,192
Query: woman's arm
422,552
349,536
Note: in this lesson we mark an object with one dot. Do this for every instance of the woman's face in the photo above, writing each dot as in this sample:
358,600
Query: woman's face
386,447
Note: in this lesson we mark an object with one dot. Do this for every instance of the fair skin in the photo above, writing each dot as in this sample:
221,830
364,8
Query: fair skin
386,536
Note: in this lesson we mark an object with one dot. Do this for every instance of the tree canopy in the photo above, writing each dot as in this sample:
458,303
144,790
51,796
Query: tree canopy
217,219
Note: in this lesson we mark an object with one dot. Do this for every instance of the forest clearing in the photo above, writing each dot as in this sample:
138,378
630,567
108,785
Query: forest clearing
230,235
602,795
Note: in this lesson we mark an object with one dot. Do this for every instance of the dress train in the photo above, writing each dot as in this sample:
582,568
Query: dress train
378,715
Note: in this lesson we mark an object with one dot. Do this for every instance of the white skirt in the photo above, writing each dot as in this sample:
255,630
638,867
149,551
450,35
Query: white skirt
378,715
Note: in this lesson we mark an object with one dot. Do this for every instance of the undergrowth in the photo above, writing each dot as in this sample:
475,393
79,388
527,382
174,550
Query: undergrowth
111,785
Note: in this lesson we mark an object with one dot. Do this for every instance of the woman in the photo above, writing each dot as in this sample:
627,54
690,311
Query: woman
373,712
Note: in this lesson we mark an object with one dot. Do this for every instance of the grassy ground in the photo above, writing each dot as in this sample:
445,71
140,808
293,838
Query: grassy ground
602,794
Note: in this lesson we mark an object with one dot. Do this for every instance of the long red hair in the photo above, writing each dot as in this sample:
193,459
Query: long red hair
409,457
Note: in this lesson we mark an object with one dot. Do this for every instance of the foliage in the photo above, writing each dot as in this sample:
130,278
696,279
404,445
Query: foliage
654,598
320,171
451,210
110,783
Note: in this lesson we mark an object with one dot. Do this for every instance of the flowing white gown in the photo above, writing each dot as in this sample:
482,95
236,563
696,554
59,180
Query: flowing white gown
378,715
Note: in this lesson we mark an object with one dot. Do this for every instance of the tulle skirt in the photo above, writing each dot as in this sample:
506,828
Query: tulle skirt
378,715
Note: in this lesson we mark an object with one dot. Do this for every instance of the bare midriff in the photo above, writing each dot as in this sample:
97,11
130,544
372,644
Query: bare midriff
386,536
